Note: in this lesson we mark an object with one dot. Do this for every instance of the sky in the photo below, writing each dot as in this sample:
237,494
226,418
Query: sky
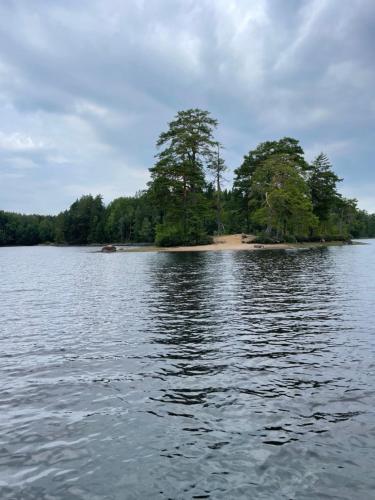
86,88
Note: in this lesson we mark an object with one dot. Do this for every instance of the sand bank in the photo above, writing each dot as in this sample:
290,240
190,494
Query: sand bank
230,242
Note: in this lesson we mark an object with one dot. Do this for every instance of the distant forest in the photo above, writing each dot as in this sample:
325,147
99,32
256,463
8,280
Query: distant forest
276,194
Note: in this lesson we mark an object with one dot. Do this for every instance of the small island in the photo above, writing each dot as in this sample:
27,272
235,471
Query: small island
230,242
277,196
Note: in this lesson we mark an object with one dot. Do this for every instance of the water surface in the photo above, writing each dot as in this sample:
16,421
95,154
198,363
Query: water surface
187,375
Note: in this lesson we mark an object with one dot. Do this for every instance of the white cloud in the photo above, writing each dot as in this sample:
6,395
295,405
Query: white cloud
18,142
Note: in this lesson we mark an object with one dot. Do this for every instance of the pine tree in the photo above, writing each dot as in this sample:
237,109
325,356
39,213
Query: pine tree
178,178
322,182
285,202
217,168
243,187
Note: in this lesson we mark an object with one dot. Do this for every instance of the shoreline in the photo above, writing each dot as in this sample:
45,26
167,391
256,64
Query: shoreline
233,243
216,246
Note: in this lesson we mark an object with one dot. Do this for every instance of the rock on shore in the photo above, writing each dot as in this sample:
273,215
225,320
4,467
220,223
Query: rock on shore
109,249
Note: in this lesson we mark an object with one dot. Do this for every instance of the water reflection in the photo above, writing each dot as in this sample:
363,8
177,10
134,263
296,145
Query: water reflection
184,375
254,349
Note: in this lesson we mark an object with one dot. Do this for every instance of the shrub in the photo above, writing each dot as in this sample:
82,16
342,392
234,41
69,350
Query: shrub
265,238
171,235
168,235
289,238
336,237
198,238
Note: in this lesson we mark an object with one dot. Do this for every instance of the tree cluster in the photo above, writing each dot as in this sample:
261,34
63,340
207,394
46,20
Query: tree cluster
276,194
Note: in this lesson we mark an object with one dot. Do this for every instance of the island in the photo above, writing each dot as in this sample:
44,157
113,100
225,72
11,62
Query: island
277,195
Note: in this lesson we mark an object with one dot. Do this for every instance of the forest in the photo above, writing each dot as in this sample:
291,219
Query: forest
275,194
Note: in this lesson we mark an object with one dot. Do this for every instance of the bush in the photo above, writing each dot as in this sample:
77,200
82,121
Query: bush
289,238
336,237
171,235
198,238
266,238
168,235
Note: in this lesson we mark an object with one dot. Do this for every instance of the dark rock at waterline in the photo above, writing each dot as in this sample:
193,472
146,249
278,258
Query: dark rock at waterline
109,249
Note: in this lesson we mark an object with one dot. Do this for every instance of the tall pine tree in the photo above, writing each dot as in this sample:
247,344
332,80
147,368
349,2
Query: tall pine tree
177,179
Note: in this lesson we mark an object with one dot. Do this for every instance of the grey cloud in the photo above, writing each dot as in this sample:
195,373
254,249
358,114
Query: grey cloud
101,80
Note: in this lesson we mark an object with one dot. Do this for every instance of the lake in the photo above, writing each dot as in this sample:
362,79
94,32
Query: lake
187,375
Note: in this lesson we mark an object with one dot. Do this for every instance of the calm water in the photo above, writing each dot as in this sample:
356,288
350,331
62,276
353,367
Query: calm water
197,375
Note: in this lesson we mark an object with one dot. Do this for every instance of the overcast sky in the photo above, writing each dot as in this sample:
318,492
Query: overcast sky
86,87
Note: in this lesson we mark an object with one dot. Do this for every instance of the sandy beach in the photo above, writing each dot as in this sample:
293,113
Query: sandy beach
226,242
230,242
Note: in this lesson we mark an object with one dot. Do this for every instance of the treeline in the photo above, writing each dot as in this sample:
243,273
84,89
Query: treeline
276,194
19,229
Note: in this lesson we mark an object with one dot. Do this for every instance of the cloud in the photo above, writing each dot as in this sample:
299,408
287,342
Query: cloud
85,88
19,143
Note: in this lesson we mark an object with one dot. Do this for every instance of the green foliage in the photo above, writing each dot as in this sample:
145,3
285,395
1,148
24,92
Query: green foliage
131,219
322,182
266,238
275,194
83,223
217,167
285,207
19,229
243,187
168,235
178,178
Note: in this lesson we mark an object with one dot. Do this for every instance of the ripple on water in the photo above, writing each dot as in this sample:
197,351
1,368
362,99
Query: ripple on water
187,375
